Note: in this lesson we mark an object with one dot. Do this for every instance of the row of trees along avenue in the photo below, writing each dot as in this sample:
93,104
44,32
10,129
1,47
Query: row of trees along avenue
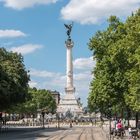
15,94
116,82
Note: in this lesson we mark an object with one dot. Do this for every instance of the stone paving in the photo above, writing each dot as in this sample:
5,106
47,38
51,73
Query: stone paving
75,133
81,132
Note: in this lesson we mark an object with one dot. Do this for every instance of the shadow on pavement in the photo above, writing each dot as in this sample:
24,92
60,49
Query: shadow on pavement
9,130
28,133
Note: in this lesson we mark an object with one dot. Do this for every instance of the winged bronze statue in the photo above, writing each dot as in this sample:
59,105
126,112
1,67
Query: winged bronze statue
69,28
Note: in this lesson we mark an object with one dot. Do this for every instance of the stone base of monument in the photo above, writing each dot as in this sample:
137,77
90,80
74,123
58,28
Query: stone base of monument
69,103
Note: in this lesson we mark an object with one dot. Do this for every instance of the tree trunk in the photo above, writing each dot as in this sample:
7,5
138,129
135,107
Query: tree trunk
122,113
128,115
137,118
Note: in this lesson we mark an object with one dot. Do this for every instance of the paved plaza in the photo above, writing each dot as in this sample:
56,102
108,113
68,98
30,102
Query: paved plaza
51,132
76,133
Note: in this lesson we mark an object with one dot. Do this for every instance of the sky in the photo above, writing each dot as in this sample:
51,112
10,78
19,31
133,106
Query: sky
35,28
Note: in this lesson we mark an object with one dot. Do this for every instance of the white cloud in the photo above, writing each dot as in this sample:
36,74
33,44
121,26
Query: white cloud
82,76
43,73
26,49
33,84
21,4
94,11
11,34
49,80
83,63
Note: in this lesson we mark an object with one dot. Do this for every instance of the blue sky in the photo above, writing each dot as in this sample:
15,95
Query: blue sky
36,29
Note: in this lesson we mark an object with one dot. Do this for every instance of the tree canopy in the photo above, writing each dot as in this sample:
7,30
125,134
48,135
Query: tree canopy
38,100
13,79
116,81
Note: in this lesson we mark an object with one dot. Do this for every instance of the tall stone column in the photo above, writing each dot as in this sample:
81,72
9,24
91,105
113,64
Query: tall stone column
69,103
69,71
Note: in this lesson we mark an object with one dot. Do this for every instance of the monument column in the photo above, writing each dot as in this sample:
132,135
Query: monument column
69,71
69,103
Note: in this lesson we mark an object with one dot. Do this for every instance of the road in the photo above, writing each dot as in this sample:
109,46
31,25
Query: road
75,133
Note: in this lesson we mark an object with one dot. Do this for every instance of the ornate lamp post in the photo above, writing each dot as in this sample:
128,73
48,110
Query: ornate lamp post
109,117
58,118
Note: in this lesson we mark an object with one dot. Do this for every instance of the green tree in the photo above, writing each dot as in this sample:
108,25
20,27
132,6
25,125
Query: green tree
107,85
37,100
133,52
117,73
13,79
46,101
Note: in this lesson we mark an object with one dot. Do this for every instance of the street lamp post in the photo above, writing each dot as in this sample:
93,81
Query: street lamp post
57,116
109,116
110,129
